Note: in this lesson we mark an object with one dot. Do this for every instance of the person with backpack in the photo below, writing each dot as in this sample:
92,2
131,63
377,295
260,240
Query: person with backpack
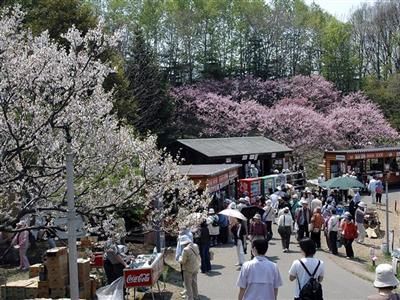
21,242
349,233
386,282
308,272
213,227
190,262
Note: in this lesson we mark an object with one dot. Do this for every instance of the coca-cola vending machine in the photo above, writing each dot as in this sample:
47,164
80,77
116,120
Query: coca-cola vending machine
146,274
251,186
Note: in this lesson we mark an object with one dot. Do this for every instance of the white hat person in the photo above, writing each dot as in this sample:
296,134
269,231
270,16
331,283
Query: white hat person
362,204
384,277
211,211
184,240
22,223
303,201
257,216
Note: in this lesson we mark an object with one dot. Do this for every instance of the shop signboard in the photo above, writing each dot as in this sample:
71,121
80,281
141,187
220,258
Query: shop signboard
223,180
341,157
372,155
233,174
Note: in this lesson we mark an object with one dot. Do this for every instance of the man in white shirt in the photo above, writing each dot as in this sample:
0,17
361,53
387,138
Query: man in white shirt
315,203
259,278
298,272
333,228
372,188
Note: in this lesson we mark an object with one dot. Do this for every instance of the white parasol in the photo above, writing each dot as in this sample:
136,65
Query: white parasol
232,213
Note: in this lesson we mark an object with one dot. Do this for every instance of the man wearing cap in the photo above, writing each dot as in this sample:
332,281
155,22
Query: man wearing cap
21,241
258,230
190,261
359,218
303,217
308,196
213,227
385,282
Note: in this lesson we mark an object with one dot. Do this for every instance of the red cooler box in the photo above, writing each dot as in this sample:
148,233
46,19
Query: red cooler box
144,276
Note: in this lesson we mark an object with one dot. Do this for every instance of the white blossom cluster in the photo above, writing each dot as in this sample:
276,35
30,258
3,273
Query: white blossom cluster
45,87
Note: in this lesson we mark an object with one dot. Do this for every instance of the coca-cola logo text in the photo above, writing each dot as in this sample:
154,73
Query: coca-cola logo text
142,278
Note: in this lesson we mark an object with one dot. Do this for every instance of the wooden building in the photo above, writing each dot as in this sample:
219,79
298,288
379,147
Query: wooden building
264,154
364,163
220,179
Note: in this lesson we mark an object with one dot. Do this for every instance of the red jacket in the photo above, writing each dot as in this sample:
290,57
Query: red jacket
349,231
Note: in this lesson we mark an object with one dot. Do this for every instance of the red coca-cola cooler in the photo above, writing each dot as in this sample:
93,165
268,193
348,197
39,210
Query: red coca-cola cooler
97,260
252,186
147,275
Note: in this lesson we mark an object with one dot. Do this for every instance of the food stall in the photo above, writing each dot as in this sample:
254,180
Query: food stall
364,163
144,271
251,186
217,179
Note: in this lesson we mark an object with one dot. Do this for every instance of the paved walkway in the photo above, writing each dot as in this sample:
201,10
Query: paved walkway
338,284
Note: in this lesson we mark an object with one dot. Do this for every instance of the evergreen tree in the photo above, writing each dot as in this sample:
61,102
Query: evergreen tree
147,105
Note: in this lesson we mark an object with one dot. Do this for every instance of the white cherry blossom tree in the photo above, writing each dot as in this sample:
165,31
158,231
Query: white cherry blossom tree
46,88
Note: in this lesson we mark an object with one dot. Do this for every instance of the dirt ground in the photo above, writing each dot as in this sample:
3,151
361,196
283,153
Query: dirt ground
363,251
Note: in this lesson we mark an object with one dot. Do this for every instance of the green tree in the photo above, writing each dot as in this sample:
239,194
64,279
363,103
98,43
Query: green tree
56,16
146,104
386,93
338,59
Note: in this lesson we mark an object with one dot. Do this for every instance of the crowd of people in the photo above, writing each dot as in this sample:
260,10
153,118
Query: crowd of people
308,216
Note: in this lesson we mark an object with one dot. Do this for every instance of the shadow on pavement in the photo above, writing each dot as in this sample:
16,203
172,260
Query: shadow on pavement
213,273
217,267
201,297
224,246
294,251
173,276
163,296
273,258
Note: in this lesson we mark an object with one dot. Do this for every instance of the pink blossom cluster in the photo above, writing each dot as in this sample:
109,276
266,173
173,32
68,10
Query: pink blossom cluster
304,112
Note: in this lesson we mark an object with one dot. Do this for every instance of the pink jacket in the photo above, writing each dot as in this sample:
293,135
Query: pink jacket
21,239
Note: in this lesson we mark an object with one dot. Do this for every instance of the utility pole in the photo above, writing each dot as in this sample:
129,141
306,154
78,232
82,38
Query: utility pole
72,253
160,223
387,211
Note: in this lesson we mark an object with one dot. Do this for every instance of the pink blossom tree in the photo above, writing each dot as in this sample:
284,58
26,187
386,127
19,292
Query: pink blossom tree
360,123
301,128
305,112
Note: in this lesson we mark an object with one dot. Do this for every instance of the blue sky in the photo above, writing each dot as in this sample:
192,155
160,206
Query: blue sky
339,8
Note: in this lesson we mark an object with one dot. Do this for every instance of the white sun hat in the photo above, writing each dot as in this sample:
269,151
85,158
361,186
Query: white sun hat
384,276
362,204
